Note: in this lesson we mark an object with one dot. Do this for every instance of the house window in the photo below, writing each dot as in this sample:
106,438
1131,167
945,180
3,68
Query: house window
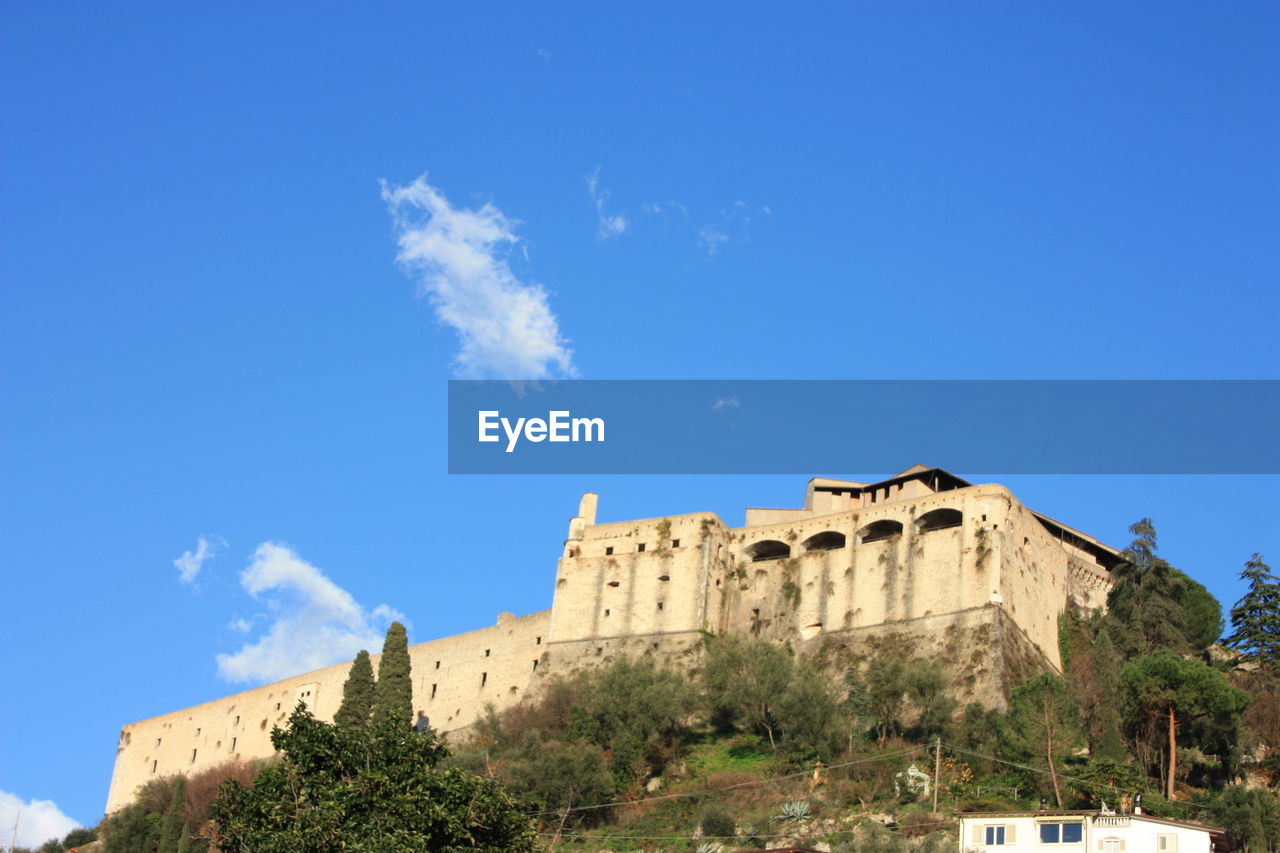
433,690
484,679
153,766
675,543
1167,842
994,836
193,756
233,744
608,552
1111,845
537,641
486,652
640,548
659,605
1061,833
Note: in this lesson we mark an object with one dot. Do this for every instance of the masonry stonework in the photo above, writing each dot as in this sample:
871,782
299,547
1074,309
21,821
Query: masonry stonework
923,561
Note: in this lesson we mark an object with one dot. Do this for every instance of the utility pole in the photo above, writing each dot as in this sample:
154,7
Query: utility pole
937,770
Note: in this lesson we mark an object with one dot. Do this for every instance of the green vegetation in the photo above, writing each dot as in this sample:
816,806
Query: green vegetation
357,694
758,748
393,694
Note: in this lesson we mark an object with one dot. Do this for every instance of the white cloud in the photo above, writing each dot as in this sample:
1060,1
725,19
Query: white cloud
711,240
314,623
191,562
722,403
39,821
544,53
665,209
505,327
607,225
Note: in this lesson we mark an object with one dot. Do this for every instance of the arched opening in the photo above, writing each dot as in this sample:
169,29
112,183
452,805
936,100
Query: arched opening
769,549
877,530
827,540
939,519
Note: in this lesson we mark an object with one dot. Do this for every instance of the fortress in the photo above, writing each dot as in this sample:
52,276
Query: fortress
961,572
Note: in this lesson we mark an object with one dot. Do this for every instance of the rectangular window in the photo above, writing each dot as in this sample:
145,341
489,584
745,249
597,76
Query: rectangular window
675,543
486,652
659,605
193,756
640,548
484,678
535,666
608,552
995,836
1062,832
233,744
1167,842
538,641
153,766
433,691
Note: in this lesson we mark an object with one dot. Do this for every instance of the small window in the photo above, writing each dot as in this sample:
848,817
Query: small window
277,706
537,641
675,543
193,756
613,584
153,765
157,741
484,679
233,744
606,611
486,652
994,836
659,605
599,651
535,666
1167,842
640,548
433,691
237,722
198,730
608,552
665,578
437,664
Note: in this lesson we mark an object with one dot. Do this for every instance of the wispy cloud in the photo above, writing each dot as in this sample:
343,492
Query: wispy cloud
735,218
666,209
313,622
723,403
506,328
711,240
40,820
544,53
607,225
191,562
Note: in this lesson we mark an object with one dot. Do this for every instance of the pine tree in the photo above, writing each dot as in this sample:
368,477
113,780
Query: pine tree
1255,619
357,694
393,694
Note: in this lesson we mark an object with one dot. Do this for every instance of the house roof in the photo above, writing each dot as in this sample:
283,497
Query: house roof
1216,830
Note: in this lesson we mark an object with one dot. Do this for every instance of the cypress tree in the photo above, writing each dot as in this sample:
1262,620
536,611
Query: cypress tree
184,841
393,694
1255,619
357,694
171,824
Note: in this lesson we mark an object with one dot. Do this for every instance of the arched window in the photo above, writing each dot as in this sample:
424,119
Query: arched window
877,530
828,540
769,549
939,519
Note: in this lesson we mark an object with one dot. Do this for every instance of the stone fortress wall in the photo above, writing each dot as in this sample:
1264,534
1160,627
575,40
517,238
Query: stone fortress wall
946,569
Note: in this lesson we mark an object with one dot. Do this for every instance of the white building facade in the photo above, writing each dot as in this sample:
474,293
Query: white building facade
1084,832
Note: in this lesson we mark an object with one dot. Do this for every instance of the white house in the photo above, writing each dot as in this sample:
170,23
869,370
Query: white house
1085,832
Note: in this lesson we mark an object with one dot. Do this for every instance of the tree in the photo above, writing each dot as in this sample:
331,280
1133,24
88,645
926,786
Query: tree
1154,606
1255,619
393,694
171,825
744,681
886,683
357,693
1042,723
636,711
371,789
808,713
926,683
1166,691
1252,819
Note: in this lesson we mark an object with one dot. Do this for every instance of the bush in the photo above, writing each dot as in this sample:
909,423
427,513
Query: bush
717,823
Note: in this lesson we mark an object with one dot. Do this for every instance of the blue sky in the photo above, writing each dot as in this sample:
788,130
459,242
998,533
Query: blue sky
206,331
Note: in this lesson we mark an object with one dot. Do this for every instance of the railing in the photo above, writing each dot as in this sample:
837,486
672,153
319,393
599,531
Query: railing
1111,820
